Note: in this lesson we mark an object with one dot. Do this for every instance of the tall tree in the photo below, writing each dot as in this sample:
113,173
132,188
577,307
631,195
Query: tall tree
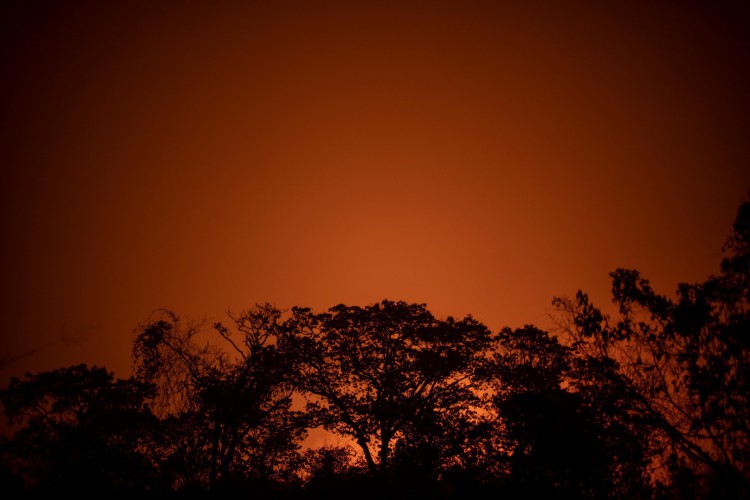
683,363
370,372
80,430
560,437
229,402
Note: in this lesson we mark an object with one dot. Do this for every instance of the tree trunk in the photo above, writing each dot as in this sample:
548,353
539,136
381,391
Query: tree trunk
368,456
214,458
385,440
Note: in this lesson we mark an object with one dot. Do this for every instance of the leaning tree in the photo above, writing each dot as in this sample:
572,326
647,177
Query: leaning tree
681,364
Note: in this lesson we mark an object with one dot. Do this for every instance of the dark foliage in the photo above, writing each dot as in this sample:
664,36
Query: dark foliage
653,401
680,368
83,430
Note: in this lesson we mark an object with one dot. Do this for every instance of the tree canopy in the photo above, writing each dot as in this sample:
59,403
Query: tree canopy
374,372
649,401
682,364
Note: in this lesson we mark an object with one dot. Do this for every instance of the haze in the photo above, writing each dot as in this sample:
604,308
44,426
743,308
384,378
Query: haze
478,157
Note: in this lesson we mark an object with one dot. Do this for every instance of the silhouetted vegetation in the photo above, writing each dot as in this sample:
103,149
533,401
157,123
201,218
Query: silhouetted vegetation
650,402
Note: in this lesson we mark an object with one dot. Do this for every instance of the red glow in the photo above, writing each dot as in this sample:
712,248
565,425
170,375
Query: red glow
477,158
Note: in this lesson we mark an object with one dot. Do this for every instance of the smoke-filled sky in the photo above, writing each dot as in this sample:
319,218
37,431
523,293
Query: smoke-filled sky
480,157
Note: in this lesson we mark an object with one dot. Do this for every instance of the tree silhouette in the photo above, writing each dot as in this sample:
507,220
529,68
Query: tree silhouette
229,410
653,401
559,439
333,471
683,365
81,430
372,372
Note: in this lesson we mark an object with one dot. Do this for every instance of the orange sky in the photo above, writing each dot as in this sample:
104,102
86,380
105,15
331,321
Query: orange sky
475,156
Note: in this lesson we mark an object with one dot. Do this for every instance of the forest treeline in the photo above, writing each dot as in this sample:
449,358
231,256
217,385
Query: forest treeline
650,401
